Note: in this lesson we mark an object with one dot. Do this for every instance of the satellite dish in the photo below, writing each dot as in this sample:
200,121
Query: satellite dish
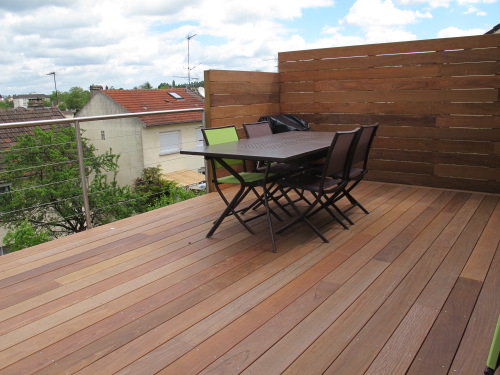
201,90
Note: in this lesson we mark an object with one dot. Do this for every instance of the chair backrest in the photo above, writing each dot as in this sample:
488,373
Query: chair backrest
223,134
257,129
340,154
364,144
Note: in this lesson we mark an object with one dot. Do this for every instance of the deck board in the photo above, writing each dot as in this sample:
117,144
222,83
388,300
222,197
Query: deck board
151,294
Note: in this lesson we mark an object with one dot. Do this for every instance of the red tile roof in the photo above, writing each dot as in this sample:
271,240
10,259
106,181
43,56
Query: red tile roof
33,114
159,100
8,135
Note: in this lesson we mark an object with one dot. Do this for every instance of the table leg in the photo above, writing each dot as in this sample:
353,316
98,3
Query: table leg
266,203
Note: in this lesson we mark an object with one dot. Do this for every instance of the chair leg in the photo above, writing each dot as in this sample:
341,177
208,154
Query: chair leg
230,206
303,217
331,202
354,202
259,202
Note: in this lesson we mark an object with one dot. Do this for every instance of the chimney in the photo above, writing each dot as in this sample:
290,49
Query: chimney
94,89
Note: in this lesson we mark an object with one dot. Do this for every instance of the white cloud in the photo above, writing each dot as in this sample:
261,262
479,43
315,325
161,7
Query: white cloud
125,43
444,3
451,32
368,13
382,21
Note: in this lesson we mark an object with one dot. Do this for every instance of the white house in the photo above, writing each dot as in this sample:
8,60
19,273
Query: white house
146,141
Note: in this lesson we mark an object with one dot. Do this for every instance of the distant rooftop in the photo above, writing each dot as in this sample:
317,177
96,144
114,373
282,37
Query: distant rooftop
21,114
9,134
159,100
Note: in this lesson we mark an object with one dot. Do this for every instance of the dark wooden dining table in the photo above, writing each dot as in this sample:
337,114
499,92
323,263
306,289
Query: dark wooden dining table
277,148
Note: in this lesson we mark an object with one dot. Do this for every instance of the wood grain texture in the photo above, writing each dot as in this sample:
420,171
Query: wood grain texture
423,264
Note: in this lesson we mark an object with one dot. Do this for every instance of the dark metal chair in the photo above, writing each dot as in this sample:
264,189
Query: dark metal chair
261,129
359,167
326,186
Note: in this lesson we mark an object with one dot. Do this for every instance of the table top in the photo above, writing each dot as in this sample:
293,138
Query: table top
280,147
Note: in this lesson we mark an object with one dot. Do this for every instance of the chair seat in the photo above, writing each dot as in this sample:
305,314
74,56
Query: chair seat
354,174
310,182
283,168
248,177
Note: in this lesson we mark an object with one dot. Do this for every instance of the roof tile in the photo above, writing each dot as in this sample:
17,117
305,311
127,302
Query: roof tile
159,100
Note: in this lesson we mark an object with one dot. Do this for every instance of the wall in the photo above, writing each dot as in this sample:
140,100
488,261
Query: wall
437,102
123,136
234,98
171,162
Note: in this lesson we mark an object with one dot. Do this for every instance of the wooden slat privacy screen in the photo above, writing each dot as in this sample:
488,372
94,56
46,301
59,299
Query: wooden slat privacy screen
437,102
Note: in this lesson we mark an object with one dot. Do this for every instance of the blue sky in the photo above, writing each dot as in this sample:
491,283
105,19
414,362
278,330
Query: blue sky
124,44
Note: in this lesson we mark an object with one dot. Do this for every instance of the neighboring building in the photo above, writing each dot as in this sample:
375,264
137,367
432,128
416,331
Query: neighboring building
494,30
8,135
146,141
30,100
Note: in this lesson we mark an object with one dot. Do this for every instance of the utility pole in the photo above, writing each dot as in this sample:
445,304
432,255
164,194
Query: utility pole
55,85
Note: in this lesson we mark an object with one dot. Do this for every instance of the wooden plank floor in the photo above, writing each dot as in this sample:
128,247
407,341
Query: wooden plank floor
411,288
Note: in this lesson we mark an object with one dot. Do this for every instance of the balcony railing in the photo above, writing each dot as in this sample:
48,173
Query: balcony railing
75,122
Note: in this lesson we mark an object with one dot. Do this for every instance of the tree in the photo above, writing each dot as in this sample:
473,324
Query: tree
146,85
25,236
158,191
6,102
45,191
163,85
74,99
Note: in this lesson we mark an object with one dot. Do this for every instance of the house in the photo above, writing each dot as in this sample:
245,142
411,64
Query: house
29,101
9,134
145,141
494,30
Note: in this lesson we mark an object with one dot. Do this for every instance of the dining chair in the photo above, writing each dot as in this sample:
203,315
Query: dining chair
261,129
324,186
359,167
248,181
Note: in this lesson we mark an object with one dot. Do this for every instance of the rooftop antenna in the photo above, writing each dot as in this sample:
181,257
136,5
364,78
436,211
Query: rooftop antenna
189,37
55,85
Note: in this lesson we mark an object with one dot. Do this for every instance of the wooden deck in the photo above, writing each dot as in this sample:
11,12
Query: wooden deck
411,288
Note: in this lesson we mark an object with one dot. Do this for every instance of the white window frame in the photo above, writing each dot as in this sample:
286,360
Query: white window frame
170,142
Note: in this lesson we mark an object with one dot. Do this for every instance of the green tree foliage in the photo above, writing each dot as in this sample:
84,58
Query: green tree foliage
25,236
74,99
146,85
176,194
77,98
6,104
163,85
45,191
158,191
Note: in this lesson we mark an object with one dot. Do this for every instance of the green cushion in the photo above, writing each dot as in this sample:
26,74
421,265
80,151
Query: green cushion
221,135
216,136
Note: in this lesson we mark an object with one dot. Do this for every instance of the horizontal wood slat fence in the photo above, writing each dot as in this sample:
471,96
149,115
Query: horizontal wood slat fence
437,102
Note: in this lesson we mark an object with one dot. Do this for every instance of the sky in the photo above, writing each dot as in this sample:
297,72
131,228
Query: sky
123,44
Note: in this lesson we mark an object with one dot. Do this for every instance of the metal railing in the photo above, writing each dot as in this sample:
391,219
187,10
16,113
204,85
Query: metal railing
76,121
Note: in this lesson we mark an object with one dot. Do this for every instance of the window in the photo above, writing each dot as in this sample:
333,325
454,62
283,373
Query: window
199,138
170,142
175,95
103,135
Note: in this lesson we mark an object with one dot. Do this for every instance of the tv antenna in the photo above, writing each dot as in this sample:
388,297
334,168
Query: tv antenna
189,37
